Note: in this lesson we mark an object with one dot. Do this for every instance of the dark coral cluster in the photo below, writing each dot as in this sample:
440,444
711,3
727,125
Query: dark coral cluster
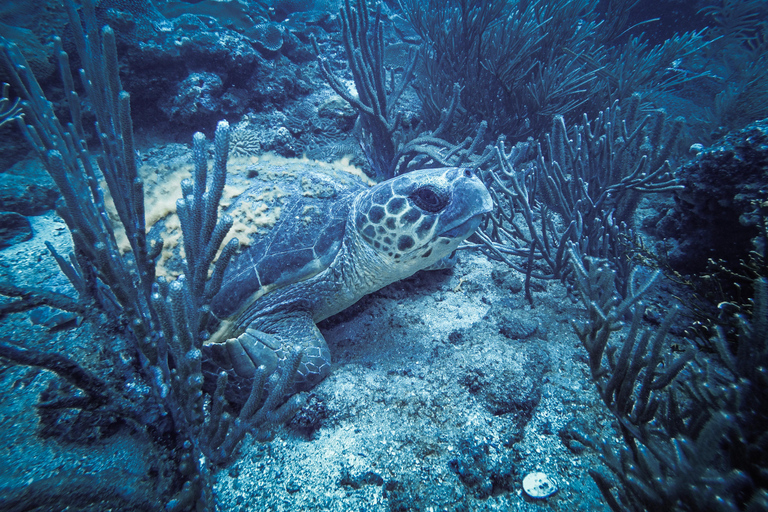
161,320
199,65
719,210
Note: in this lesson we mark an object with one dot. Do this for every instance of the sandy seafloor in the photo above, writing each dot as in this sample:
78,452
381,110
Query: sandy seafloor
402,406
446,369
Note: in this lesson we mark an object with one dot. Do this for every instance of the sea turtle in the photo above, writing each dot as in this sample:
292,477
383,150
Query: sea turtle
336,240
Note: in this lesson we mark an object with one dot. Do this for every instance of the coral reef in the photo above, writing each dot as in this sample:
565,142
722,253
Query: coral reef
15,228
686,423
606,326
584,191
163,318
717,211
521,64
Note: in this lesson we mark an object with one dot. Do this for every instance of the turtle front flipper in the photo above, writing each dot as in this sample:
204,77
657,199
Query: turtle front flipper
445,262
268,345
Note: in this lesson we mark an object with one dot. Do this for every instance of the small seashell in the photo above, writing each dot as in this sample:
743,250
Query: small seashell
538,485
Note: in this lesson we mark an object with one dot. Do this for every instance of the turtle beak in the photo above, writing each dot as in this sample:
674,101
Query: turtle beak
471,201
464,229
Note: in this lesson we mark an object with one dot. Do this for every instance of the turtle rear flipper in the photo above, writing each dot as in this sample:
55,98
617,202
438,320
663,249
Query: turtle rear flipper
240,357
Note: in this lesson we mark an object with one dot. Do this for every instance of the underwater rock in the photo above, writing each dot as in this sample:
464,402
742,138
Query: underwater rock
14,228
233,14
717,211
301,27
260,64
507,281
338,111
273,84
310,418
508,381
357,481
51,318
296,50
224,52
196,100
516,327
203,45
305,22
27,189
483,468
513,322
39,56
162,66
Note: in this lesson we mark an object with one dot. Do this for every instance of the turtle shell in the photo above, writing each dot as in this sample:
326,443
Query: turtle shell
299,212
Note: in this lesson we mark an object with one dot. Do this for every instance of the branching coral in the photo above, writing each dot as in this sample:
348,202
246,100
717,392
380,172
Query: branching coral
738,55
583,186
692,426
9,111
390,148
522,64
163,319
375,100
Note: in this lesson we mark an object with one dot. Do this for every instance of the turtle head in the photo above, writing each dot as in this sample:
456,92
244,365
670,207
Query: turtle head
416,219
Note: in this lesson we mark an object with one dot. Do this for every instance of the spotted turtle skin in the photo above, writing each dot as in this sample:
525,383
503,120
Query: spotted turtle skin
334,240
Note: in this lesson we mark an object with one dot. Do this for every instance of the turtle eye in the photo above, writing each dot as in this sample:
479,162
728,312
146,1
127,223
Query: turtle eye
428,199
